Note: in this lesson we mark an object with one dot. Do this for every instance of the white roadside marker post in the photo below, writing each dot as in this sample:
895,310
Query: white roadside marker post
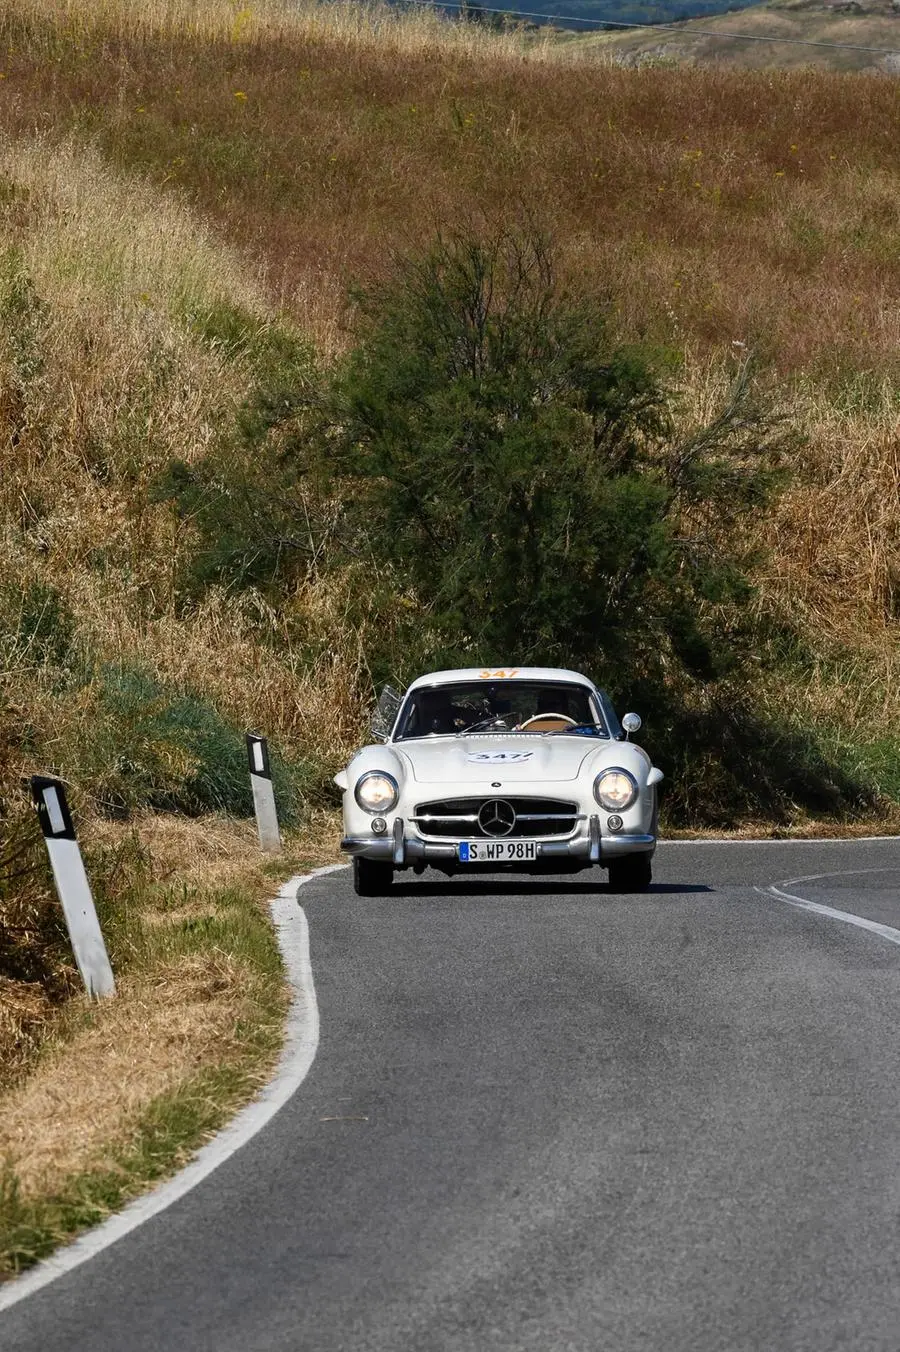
72,886
263,793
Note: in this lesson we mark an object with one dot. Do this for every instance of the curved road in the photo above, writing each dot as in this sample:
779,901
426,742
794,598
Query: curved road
546,1117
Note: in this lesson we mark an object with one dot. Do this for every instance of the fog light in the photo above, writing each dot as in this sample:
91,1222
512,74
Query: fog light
379,826
614,823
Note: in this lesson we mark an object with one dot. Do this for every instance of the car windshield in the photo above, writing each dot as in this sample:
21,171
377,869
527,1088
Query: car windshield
531,708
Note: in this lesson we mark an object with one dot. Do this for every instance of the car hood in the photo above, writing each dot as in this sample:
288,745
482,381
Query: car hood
485,760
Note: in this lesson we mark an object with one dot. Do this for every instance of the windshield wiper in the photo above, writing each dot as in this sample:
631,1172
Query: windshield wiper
482,724
578,727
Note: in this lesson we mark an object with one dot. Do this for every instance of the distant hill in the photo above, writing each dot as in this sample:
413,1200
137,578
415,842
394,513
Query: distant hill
577,15
851,23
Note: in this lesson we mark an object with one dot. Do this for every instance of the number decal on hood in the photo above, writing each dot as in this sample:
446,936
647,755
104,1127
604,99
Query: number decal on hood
496,757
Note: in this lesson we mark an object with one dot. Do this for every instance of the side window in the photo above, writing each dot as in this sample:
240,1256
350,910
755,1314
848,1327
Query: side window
609,716
385,715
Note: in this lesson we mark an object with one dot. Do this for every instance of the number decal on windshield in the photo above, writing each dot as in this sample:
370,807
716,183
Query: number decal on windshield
498,675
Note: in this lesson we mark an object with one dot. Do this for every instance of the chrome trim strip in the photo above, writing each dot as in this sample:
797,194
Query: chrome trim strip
431,817
551,816
520,817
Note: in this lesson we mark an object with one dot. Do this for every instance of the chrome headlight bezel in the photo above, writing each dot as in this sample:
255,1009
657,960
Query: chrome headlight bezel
616,804
383,805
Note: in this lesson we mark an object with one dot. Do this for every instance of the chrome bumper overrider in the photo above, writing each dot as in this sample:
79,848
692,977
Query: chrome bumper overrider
401,850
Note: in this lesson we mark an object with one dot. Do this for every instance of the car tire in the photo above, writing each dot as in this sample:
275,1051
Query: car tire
634,873
371,877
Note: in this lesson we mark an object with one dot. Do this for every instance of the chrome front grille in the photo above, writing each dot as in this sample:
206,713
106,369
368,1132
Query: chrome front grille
458,817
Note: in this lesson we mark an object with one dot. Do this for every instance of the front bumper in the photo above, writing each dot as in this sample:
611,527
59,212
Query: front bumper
588,846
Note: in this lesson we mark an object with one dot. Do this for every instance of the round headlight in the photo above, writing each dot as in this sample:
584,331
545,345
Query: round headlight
615,790
377,791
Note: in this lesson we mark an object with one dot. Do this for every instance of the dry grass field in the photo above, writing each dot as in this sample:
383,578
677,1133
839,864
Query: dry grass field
187,190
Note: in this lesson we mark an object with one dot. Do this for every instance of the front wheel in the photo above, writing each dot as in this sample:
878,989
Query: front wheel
371,877
633,873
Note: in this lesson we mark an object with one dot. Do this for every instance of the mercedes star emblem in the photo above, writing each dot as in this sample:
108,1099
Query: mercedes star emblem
496,817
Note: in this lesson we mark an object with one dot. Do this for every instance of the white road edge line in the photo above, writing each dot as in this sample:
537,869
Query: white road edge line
841,873
300,1044
873,926
782,840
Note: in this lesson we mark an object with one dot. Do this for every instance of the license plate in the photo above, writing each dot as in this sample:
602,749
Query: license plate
497,851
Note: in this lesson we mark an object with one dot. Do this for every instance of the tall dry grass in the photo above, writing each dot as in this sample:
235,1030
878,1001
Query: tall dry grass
110,278
413,29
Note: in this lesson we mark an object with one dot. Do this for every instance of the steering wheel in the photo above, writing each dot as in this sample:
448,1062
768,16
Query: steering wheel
547,723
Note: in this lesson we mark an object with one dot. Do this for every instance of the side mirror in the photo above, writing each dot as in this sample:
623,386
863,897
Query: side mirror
631,723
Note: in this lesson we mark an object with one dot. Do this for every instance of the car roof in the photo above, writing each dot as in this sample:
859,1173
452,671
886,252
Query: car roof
502,674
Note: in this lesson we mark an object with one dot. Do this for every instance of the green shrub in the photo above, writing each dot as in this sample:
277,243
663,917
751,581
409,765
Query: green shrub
237,503
171,750
524,470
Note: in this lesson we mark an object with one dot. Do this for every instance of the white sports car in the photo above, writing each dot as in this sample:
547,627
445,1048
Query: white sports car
525,769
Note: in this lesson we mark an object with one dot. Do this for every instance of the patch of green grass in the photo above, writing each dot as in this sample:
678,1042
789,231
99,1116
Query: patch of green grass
152,744
273,349
875,762
37,628
236,928
22,318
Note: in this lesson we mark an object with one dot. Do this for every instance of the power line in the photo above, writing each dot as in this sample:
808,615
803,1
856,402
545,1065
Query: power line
671,26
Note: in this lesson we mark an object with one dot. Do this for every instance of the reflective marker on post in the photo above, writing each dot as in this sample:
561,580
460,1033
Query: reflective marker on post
72,886
263,793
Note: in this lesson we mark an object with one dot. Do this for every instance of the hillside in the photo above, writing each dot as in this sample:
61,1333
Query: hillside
188,201
848,25
189,193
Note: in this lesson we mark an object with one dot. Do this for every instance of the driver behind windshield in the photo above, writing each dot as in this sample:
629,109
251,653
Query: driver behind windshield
433,713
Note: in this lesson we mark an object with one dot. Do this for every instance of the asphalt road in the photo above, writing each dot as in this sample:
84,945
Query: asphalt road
545,1117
